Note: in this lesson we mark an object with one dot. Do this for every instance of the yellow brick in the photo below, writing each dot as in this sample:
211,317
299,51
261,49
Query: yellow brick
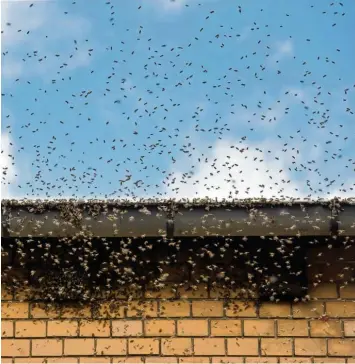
7,328
270,309
329,328
129,359
227,359
340,309
306,346
209,346
349,328
348,291
328,360
324,290
259,359
78,346
259,327
242,346
110,310
62,328
49,360
14,310
193,359
280,346
92,359
111,346
142,309
226,328
341,347
292,327
25,294
30,360
6,293
240,309
127,328
143,346
62,360
15,347
47,347
176,346
207,308
79,311
200,292
295,360
308,309
94,328
159,327
192,327
162,360
40,310
164,293
175,309
31,328
7,360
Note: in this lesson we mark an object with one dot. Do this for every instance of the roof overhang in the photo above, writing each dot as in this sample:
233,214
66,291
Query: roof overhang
148,218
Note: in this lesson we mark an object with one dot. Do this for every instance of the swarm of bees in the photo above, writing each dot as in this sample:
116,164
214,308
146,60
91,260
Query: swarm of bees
81,266
176,99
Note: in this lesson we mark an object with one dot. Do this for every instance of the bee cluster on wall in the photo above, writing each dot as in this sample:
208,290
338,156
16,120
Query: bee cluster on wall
83,267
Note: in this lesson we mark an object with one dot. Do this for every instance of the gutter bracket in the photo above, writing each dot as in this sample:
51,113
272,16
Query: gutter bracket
5,223
334,220
170,225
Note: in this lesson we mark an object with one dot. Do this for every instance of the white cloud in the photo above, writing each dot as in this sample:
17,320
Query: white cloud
8,169
244,34
173,6
12,68
45,17
247,172
15,15
254,170
283,49
273,110
169,5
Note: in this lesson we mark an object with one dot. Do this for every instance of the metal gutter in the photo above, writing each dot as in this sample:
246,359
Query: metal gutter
181,218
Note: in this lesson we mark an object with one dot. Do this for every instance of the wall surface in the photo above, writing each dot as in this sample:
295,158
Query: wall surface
200,326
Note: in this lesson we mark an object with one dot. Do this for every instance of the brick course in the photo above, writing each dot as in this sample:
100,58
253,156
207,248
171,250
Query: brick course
195,327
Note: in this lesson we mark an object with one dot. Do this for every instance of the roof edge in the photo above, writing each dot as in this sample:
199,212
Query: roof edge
179,202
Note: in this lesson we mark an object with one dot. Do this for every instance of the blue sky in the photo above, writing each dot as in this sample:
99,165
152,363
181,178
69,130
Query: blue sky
189,98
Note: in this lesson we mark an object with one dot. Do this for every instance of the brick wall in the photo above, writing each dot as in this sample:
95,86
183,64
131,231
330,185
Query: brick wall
199,327
202,326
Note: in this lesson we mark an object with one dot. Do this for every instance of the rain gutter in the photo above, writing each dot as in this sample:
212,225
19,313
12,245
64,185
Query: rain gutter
180,219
